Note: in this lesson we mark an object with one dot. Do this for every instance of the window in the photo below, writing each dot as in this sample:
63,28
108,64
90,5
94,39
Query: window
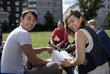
17,8
55,3
24,9
1,8
1,2
17,15
32,0
24,4
17,3
8,8
103,6
17,21
108,7
8,2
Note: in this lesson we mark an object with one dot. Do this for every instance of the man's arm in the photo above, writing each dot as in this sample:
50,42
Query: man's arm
42,49
33,59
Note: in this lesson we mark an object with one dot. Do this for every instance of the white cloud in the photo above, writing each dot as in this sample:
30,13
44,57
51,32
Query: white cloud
67,3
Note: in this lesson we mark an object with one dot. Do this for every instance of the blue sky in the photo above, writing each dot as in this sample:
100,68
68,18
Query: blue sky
67,3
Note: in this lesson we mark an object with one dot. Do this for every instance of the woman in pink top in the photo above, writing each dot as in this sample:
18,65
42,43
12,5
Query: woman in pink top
61,34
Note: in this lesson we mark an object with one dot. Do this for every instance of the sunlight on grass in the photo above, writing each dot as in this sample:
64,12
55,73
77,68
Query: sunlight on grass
40,39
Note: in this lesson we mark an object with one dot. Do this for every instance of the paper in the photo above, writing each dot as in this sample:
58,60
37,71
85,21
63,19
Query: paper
59,56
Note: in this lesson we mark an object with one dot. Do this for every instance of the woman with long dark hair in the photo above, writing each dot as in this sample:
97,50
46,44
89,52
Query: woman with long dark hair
90,57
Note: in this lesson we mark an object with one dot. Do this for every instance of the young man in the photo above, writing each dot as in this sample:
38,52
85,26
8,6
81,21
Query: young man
18,48
62,36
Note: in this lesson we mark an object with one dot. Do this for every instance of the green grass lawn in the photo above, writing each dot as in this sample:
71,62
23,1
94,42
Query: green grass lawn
40,39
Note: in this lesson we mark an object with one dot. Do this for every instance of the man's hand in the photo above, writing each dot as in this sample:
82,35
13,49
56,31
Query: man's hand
49,49
67,62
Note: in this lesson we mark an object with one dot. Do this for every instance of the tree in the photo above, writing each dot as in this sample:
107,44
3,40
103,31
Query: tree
49,22
107,19
89,8
5,26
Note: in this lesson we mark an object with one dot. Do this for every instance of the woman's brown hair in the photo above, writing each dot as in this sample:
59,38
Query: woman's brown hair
76,14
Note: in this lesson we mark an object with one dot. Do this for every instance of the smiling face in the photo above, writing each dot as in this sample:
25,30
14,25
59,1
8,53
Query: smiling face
60,25
74,23
28,22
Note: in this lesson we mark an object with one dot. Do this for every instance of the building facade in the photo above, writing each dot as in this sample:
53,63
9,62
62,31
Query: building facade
15,7
102,13
11,10
73,7
4,16
43,6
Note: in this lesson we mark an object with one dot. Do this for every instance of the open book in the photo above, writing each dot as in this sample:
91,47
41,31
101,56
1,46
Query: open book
59,56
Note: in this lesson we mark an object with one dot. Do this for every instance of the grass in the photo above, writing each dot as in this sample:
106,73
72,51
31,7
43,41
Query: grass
108,32
40,39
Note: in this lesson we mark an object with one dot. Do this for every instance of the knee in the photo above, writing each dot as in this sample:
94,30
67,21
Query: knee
57,69
54,67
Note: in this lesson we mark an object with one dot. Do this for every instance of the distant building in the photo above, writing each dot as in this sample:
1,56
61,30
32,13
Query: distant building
15,7
43,6
4,16
101,12
73,7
